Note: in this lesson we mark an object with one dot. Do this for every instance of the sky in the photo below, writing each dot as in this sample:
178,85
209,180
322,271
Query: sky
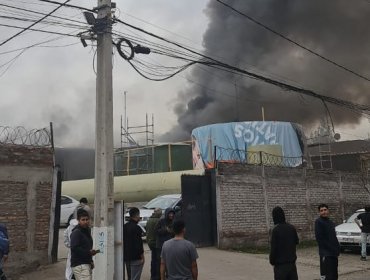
55,81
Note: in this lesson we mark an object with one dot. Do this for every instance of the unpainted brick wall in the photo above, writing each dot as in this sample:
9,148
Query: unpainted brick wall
26,175
246,195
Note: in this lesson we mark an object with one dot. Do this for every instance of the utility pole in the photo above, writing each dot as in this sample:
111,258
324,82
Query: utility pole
104,200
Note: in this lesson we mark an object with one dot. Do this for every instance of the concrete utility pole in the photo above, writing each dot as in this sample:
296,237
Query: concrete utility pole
104,200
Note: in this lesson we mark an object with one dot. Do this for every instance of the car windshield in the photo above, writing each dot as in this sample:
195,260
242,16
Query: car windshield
160,202
352,218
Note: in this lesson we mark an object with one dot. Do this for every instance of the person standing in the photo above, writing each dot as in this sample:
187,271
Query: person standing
85,206
179,256
329,248
133,249
164,232
284,240
67,242
363,221
4,249
164,227
151,239
81,247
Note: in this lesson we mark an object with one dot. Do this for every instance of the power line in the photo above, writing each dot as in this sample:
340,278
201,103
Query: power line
40,13
33,24
68,25
68,5
38,30
31,46
294,42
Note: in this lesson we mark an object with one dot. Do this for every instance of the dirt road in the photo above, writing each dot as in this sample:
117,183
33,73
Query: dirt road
223,265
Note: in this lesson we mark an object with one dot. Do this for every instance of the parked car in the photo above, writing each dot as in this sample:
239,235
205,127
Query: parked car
162,202
67,206
349,233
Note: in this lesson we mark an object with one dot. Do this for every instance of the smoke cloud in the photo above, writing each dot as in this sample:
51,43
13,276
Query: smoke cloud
336,29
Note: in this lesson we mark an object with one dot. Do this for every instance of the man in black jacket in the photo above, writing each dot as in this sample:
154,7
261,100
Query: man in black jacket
133,245
164,231
363,221
329,248
81,247
284,240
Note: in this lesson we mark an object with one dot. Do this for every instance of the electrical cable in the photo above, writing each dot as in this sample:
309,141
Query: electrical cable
54,23
40,13
70,6
38,30
295,43
33,24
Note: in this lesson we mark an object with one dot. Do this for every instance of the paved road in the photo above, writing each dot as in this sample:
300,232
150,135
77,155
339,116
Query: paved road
223,265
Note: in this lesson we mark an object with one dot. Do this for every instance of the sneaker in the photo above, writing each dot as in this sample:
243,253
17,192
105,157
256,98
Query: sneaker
363,258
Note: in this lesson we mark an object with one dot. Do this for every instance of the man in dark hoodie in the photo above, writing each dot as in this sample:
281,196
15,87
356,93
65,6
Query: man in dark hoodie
164,232
284,240
133,245
151,239
329,248
81,247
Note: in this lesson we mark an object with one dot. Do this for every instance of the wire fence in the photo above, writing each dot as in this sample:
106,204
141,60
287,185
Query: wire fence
21,136
255,158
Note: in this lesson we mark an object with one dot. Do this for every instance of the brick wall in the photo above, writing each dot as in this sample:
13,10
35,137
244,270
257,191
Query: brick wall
26,191
246,195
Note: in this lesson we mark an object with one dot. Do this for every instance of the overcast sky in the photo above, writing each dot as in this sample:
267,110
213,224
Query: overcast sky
56,83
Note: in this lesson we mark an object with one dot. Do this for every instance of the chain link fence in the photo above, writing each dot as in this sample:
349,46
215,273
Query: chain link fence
21,136
255,158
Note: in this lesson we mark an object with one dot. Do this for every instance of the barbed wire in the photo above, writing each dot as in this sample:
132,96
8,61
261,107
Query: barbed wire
255,158
21,136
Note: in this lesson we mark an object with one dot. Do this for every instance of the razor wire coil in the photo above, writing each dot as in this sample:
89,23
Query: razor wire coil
21,136
255,158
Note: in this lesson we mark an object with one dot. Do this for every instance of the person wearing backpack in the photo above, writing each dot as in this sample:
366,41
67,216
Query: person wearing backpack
4,249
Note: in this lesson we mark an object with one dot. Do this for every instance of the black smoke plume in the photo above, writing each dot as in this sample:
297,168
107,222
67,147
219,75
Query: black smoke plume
337,29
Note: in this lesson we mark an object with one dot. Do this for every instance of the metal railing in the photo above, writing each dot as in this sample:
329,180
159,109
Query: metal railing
21,136
255,158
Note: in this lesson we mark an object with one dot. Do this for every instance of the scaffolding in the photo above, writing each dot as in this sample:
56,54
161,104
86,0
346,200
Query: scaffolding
130,147
323,138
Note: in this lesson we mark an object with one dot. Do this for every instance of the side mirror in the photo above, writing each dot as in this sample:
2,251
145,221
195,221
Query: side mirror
177,208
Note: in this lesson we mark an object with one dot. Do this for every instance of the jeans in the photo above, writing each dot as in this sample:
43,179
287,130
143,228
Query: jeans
134,269
82,272
364,237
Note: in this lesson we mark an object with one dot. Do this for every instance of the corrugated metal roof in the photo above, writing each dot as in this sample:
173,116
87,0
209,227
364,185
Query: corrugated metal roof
343,147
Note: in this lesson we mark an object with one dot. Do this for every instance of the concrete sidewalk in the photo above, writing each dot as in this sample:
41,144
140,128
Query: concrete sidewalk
216,264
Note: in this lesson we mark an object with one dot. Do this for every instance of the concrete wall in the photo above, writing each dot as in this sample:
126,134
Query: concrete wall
246,195
26,190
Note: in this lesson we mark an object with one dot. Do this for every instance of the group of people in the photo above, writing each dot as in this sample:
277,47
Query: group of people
172,257
284,240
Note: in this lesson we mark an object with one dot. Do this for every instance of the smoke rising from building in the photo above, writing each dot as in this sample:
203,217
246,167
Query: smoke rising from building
336,29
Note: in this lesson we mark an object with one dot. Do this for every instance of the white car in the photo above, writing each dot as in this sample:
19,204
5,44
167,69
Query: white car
163,202
349,233
67,207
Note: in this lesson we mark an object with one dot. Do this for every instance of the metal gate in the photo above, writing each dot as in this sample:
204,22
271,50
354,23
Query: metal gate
198,209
